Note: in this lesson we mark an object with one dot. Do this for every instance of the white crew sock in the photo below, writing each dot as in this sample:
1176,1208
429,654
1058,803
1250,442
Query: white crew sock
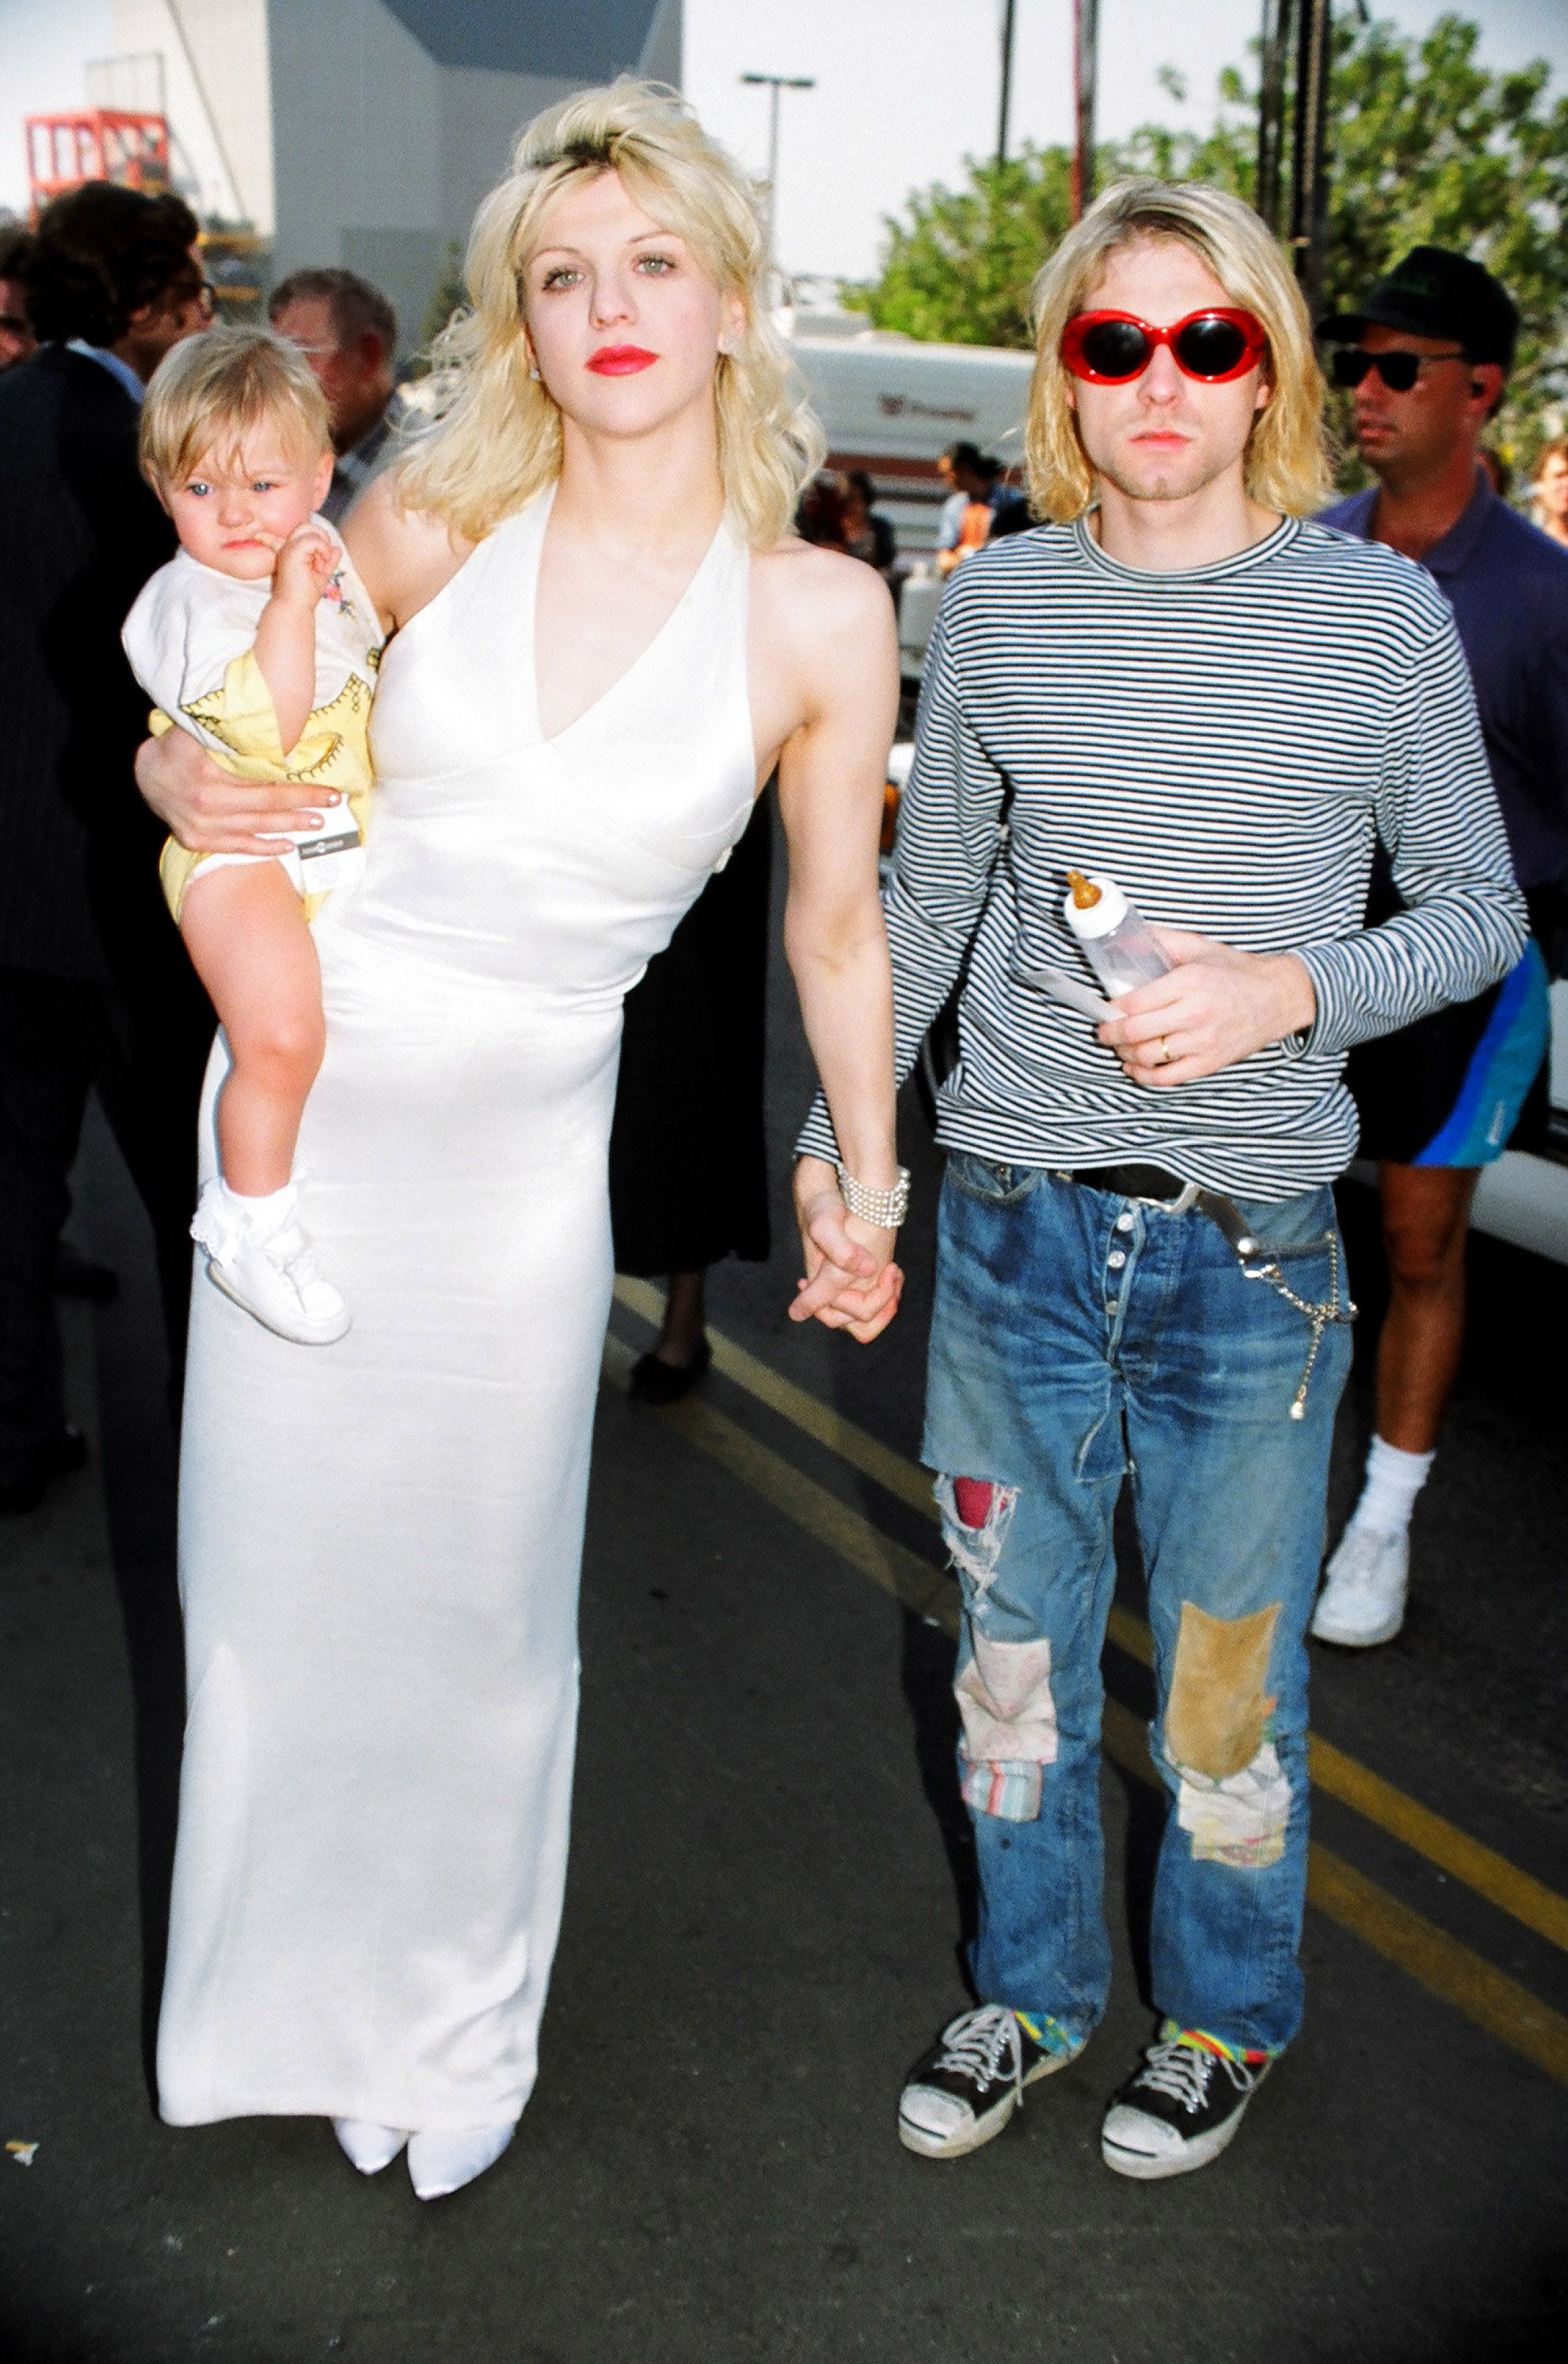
1393,1481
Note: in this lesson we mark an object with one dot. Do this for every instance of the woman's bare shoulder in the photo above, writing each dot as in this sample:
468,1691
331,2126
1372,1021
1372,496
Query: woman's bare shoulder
814,595
403,556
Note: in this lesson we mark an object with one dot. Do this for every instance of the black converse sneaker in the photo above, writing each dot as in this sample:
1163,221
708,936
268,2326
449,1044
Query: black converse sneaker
967,2086
1182,2107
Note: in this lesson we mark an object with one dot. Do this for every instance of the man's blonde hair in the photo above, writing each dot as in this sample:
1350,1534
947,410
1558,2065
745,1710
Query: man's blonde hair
1287,459
496,441
210,392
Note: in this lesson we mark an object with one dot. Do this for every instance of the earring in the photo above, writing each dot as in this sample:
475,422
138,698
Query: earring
533,371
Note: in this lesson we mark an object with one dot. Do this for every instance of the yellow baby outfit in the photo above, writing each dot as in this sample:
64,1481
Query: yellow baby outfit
191,641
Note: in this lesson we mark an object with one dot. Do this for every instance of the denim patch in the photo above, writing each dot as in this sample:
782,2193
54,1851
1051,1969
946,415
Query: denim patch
1239,1820
1009,1726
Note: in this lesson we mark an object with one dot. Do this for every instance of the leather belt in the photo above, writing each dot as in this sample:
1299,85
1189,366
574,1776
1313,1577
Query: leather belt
1130,1181
1153,1185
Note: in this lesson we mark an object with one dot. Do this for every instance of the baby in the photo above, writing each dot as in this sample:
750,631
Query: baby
260,640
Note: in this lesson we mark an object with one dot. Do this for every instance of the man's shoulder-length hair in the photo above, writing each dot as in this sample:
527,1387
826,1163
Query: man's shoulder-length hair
1287,458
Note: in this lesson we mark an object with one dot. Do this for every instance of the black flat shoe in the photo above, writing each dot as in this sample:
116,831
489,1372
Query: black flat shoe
656,1383
67,1454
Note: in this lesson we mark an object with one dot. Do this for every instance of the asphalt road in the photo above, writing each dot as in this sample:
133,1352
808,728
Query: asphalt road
769,1882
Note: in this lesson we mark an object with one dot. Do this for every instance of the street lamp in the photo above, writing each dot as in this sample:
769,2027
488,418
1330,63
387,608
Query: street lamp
775,82
1085,63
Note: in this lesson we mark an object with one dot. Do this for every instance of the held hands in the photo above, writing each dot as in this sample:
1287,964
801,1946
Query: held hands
1215,1007
851,1281
304,566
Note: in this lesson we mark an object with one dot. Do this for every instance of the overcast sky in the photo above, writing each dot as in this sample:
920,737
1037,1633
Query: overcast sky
904,87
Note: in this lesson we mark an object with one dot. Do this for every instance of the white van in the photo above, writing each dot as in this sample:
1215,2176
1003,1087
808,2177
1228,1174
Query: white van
891,404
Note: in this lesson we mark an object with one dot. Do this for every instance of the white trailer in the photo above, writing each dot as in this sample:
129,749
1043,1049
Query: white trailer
890,404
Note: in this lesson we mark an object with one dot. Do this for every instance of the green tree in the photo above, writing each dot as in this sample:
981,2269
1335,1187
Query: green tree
1426,145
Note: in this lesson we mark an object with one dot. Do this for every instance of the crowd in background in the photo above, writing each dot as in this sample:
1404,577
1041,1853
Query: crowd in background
93,992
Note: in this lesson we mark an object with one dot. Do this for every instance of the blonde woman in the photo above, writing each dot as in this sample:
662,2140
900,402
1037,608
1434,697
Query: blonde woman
602,639
1185,690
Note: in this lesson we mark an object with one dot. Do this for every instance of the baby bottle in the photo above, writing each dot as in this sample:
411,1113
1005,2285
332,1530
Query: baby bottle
1115,935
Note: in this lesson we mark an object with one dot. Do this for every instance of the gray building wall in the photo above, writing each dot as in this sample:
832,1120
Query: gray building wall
381,153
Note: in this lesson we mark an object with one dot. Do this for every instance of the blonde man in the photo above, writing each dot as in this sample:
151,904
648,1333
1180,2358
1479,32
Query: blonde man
1180,685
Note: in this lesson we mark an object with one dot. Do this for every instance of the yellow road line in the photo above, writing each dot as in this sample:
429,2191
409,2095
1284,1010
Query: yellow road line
1447,1968
1479,1868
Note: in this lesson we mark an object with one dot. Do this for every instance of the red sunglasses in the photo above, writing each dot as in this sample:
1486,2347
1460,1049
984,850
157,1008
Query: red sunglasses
1113,348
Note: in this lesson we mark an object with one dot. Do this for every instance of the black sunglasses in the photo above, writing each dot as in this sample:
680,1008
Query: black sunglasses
1349,364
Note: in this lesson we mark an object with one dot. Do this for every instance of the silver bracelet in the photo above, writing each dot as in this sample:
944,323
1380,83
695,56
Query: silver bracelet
885,1209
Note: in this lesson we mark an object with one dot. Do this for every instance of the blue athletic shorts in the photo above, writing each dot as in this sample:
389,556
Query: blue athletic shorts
1450,1089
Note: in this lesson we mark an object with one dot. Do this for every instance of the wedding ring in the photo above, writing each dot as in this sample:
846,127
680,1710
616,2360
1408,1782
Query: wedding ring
1164,1058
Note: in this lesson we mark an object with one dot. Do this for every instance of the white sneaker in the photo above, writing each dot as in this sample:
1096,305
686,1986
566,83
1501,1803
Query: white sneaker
268,1267
1363,1600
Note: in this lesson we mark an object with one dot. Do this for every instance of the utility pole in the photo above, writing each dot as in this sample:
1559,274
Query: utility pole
774,84
1274,47
1085,52
1006,83
1310,173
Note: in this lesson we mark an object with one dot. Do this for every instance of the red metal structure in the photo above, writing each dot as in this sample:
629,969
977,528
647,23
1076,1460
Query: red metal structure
95,143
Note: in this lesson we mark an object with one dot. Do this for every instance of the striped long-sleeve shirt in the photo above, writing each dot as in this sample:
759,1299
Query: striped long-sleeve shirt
1226,743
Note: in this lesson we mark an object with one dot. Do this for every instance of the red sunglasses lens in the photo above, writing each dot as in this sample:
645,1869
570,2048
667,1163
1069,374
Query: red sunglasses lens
1211,347
1113,348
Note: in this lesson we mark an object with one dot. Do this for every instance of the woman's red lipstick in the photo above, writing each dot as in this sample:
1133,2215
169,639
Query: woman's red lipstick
621,361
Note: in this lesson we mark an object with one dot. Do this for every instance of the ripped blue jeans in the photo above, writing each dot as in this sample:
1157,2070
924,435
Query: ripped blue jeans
1078,1339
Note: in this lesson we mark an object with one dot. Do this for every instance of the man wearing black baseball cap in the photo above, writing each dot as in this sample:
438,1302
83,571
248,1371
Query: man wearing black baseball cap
1428,354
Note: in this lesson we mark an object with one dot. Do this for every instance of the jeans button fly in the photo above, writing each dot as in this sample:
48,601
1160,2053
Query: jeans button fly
1116,1259
1124,1221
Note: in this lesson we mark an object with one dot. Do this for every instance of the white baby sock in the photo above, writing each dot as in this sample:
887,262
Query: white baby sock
1393,1481
260,1215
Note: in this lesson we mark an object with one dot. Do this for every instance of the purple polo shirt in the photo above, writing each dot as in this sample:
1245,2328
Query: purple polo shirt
1507,584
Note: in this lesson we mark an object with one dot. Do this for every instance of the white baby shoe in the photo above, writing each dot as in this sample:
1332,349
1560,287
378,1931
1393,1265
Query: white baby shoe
258,1254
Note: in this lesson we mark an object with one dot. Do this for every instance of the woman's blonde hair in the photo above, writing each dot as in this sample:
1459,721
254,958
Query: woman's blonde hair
496,439
210,392
1287,458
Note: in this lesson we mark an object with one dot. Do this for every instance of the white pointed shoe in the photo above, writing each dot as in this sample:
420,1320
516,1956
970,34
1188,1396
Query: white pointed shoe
1363,1600
369,2147
269,1269
439,2163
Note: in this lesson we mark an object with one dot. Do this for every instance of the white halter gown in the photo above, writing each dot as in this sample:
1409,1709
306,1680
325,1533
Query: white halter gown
380,1540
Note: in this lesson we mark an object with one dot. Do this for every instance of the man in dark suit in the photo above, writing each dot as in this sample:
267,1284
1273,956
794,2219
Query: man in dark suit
95,986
